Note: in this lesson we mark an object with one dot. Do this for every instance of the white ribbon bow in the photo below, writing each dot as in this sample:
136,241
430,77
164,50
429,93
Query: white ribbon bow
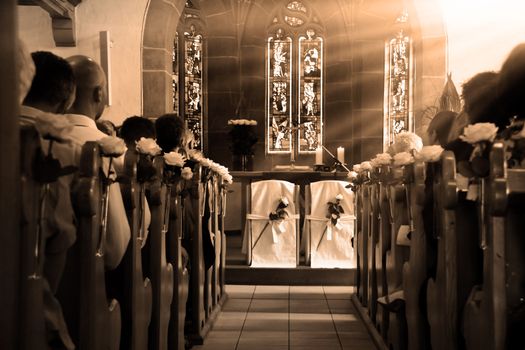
331,228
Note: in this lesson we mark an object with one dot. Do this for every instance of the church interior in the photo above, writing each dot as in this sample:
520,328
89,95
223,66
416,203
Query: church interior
262,174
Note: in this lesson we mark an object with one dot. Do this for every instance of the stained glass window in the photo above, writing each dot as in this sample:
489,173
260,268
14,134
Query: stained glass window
294,93
398,84
279,93
310,109
193,43
175,74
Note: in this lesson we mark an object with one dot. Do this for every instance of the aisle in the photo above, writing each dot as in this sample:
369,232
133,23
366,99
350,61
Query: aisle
288,317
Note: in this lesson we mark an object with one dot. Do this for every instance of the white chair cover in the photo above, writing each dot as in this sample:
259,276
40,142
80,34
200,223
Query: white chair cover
330,246
274,243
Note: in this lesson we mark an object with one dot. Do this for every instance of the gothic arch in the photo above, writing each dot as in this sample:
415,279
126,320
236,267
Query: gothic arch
160,22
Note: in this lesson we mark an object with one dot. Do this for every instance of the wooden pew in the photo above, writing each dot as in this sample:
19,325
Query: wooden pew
32,327
458,258
160,271
372,194
415,272
127,281
194,202
494,316
383,245
181,274
395,257
94,323
362,243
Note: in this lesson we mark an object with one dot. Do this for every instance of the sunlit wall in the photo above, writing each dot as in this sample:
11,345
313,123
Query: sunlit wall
481,33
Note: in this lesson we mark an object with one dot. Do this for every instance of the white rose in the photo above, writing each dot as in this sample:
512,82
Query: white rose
112,146
430,153
147,146
479,132
339,197
51,126
403,158
228,178
352,175
174,159
407,141
285,201
366,166
356,168
186,173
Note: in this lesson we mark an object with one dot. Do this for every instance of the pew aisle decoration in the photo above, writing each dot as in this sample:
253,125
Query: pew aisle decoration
429,154
112,146
403,158
148,146
480,136
406,142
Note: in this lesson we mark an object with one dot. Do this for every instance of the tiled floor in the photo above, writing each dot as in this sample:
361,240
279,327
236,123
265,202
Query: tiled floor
288,317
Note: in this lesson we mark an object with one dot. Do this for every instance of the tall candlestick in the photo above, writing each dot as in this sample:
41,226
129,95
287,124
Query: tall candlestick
341,154
318,155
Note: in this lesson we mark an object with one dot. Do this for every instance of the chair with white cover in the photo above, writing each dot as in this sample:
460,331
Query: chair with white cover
328,234
271,228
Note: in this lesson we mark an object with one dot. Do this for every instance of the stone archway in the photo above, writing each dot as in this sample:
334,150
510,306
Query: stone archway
160,23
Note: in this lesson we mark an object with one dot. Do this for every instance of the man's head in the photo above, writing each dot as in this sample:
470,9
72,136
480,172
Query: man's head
169,129
53,87
136,127
91,81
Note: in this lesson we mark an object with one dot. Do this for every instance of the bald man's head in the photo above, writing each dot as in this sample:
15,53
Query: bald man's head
91,86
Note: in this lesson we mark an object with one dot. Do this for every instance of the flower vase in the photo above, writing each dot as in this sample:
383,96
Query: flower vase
243,162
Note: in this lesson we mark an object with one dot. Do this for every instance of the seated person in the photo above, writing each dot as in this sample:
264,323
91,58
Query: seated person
52,91
131,131
90,102
136,127
170,130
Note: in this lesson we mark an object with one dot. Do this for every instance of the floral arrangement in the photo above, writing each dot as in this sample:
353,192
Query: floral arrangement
403,158
335,210
242,136
242,122
148,146
365,166
479,132
175,159
356,168
381,159
406,142
112,146
429,154
280,213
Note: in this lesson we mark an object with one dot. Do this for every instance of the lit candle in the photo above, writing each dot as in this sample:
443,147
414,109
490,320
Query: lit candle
318,155
341,154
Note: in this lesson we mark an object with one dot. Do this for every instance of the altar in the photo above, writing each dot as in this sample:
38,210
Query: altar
301,179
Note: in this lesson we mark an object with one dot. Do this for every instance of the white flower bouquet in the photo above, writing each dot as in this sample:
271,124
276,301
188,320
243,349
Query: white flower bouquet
429,154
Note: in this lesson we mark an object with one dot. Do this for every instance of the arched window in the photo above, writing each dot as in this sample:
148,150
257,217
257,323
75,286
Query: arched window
189,72
294,92
398,83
